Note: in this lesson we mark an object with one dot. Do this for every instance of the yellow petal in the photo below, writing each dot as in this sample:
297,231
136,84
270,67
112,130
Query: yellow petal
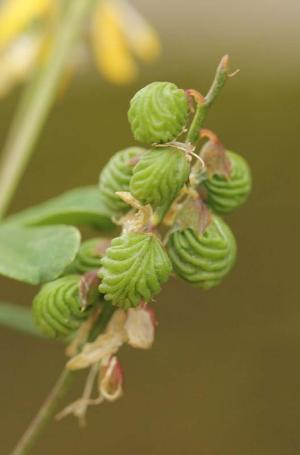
141,36
112,55
17,62
15,15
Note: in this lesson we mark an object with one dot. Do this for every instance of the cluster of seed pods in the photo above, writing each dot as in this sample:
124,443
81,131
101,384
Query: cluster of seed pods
168,183
168,196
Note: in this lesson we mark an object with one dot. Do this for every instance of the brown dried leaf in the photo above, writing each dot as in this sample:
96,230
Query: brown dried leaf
88,288
195,215
214,156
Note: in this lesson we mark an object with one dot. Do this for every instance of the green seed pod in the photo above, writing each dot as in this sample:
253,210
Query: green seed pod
158,113
159,176
224,195
58,308
203,259
133,269
89,255
116,176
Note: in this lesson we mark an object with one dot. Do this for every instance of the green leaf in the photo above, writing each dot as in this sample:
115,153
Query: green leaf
79,206
35,255
18,317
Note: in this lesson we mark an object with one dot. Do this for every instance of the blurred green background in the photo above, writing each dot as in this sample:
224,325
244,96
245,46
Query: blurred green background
223,375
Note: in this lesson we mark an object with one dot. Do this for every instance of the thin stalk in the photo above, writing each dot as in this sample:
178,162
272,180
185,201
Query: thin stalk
45,414
32,115
197,123
107,312
221,76
52,403
25,130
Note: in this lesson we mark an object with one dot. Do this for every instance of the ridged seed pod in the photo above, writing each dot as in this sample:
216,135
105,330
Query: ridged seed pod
158,113
159,176
203,259
89,255
116,176
224,195
57,308
133,269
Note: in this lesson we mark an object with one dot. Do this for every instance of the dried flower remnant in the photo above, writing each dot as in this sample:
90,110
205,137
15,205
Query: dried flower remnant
140,326
105,346
135,327
111,377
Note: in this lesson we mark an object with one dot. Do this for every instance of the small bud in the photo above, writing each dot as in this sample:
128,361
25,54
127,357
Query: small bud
133,269
203,259
140,326
226,194
116,176
159,176
111,380
158,113
58,308
89,255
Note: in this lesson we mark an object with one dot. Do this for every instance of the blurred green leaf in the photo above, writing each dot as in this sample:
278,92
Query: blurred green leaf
79,206
38,254
18,317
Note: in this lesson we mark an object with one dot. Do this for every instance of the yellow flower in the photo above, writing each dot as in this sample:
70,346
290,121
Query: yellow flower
117,32
17,15
17,62
21,38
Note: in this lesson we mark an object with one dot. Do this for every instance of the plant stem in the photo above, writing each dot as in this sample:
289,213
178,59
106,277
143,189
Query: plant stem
30,117
221,77
52,403
39,97
107,311
19,318
197,123
45,414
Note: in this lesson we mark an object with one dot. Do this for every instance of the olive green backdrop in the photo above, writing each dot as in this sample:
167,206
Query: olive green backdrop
223,376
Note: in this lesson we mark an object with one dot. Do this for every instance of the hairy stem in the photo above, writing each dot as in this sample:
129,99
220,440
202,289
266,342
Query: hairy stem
37,101
221,77
45,414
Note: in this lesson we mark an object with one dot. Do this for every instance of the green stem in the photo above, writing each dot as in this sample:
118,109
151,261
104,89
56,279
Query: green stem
45,414
197,123
221,77
17,317
52,403
107,312
25,130
39,98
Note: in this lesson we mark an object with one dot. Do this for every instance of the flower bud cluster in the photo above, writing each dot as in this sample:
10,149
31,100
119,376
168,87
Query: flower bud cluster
172,183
